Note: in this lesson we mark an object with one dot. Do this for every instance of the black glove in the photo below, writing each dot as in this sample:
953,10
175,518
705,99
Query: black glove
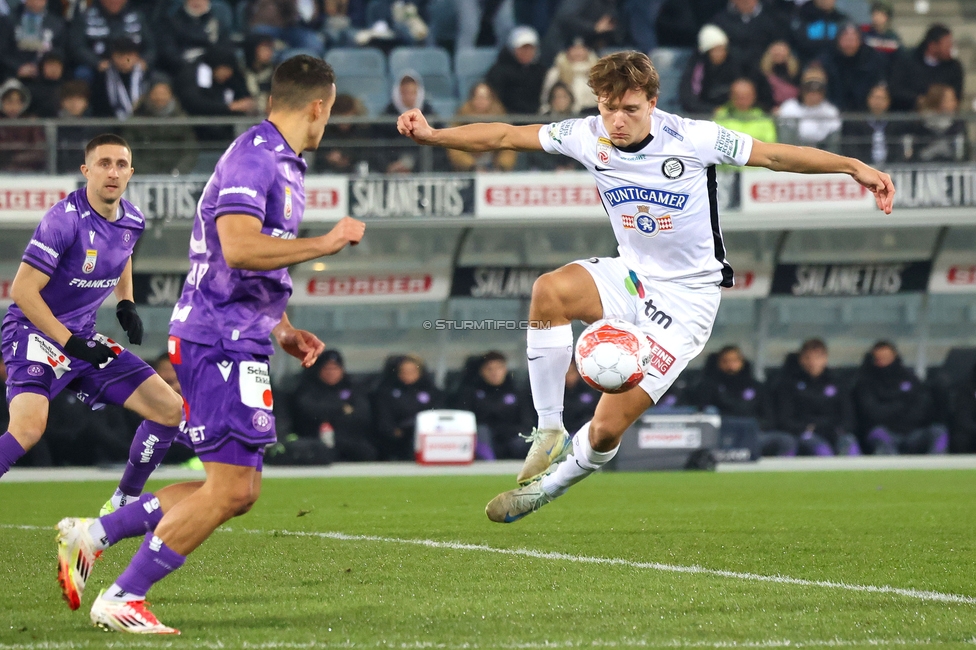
130,321
90,351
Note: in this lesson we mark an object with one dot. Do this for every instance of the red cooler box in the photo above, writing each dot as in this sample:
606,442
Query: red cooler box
445,437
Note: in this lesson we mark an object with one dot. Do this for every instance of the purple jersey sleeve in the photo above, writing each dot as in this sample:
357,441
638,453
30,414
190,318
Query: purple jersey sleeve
253,172
52,238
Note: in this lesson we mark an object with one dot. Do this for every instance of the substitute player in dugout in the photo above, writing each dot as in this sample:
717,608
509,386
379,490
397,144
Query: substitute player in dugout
656,175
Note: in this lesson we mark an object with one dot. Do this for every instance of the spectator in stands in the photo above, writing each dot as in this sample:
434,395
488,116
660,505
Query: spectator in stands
117,90
294,22
750,28
559,103
572,68
879,35
707,80
327,406
853,69
482,101
22,148
930,63
729,386
341,154
812,121
940,136
258,68
501,410
28,33
72,139
215,86
878,140
892,406
187,33
394,21
640,16
741,114
557,107
815,27
679,21
463,24
164,368
580,401
596,21
168,146
408,92
45,89
812,405
517,75
782,72
400,397
964,421
95,29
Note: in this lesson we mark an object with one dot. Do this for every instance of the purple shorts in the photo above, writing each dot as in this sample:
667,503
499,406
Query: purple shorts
35,364
229,394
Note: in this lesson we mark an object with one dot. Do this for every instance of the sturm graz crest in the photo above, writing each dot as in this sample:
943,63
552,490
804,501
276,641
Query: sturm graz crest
673,168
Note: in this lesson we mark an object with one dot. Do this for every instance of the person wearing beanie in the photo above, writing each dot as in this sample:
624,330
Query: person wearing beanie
117,90
215,85
517,75
708,77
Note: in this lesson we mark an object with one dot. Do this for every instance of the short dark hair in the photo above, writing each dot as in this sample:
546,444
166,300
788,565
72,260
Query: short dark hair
300,80
492,355
884,344
935,34
730,348
75,88
106,138
813,345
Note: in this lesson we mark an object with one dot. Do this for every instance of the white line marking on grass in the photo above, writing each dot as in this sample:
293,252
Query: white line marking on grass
916,594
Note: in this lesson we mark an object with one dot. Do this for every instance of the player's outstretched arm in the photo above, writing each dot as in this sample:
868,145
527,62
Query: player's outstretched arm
481,136
26,293
246,247
806,160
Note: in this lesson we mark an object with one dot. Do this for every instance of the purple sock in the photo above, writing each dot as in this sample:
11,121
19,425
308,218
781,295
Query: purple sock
151,563
133,519
10,452
147,451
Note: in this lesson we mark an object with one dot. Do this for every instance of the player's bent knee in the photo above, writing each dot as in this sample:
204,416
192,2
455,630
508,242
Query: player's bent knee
172,414
546,296
605,433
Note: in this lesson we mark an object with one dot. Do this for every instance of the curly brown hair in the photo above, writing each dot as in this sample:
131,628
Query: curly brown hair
615,74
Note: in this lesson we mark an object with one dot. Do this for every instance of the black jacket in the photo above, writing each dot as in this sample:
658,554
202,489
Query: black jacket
705,86
857,140
851,78
938,140
911,77
749,39
739,395
820,402
814,30
579,405
184,38
503,409
891,397
964,420
17,48
342,406
577,19
517,86
93,31
396,406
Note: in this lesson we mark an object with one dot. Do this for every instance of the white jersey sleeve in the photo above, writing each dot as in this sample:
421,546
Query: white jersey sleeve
717,145
563,137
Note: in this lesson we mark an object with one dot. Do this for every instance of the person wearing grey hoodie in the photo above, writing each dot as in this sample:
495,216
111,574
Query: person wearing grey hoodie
22,148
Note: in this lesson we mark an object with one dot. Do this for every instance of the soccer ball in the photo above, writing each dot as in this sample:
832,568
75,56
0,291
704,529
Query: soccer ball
612,355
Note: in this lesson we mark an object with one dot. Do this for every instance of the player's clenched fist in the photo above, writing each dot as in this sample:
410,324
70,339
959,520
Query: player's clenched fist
414,125
347,231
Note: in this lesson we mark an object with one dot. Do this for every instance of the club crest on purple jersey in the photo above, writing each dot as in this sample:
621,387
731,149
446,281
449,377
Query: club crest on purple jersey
261,421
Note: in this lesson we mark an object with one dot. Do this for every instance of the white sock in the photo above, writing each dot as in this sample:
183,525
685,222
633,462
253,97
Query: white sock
549,353
116,594
97,532
583,462
120,498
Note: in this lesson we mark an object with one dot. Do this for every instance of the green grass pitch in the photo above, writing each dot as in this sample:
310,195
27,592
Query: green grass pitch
269,582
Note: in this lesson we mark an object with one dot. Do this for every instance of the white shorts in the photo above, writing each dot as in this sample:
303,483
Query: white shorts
677,318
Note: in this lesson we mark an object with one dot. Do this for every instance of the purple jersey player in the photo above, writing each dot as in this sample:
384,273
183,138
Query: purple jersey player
80,253
233,302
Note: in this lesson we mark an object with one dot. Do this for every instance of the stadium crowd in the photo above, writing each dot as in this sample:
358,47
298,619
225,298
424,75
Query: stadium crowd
777,69
805,407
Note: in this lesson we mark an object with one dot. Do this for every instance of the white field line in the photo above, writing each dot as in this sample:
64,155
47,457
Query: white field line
916,594
424,645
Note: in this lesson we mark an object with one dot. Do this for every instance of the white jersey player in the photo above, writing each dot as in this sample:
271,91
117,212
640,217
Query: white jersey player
656,176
